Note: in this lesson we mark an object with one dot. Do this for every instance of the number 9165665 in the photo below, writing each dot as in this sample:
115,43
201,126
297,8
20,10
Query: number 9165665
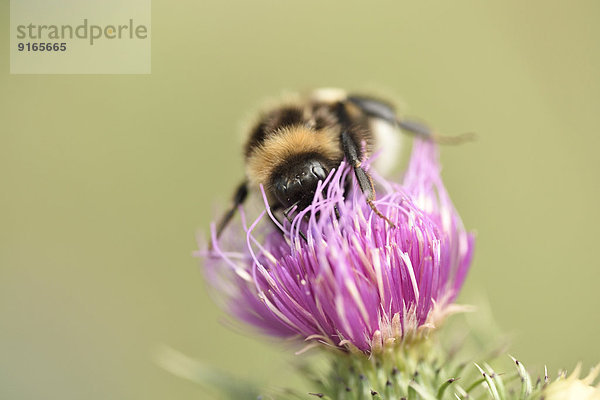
42,46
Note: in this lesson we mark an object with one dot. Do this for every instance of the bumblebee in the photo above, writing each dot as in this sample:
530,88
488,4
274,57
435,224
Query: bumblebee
296,144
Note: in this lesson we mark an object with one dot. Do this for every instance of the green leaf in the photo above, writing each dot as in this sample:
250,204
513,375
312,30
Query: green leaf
188,368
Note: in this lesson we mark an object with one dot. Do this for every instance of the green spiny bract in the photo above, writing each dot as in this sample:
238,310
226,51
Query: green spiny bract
421,370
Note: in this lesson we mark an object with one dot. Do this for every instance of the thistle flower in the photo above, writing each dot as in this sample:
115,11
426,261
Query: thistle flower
339,274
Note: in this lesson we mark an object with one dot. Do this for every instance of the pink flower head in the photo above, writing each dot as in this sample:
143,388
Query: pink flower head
355,282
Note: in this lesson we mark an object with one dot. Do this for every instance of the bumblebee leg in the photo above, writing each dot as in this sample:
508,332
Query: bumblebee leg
286,214
337,212
379,109
239,197
425,132
374,108
365,182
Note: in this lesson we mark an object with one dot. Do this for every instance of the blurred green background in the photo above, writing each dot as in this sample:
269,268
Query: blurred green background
106,179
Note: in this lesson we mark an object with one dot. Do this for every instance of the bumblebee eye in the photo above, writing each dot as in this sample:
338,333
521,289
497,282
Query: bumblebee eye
280,187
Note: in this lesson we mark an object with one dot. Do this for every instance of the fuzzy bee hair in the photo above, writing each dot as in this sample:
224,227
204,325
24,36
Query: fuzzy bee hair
302,126
284,144
296,143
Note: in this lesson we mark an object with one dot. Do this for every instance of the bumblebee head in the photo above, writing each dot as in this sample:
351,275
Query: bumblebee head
295,181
